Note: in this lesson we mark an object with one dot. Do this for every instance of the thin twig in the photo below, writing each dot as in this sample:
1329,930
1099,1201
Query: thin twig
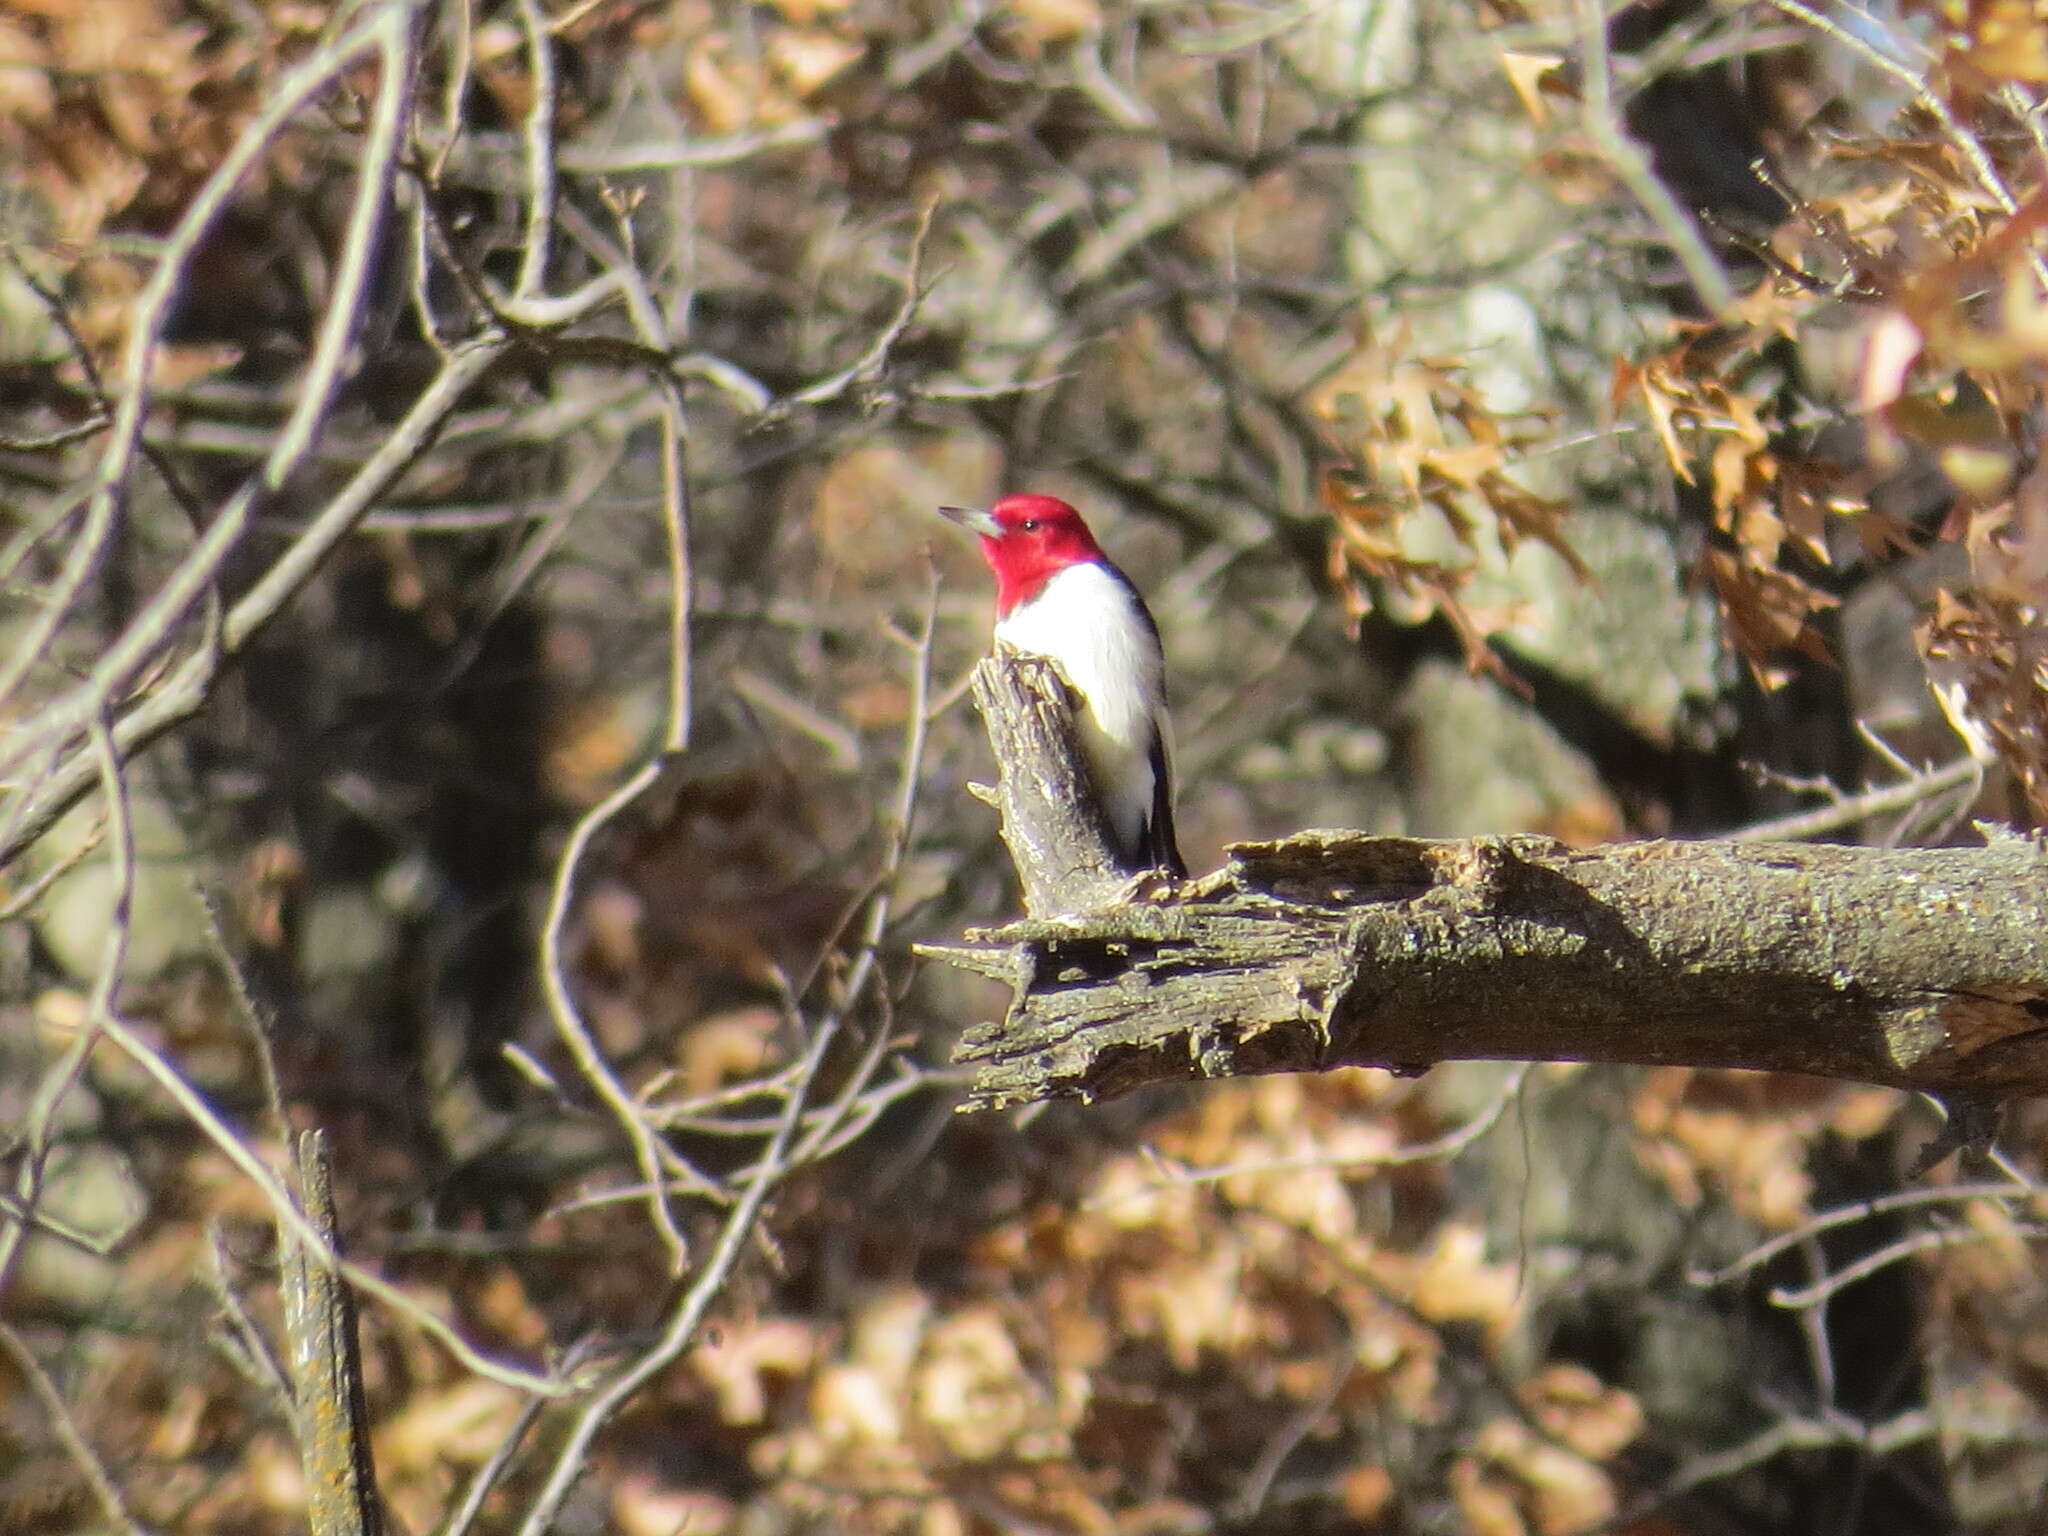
651,1154
575,1033
1850,809
112,1507
32,893
690,1310
538,142
872,365
1847,1215
1631,166
256,1360
1796,1298
478,1488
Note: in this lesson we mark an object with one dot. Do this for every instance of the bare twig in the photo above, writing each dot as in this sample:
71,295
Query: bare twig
1798,1298
464,1515
883,905
690,1310
250,1353
539,146
1631,166
1861,1210
654,1159
1847,810
872,365
113,1508
649,1155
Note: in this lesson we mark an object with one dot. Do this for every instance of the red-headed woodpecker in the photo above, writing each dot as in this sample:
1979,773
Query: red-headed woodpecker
1057,595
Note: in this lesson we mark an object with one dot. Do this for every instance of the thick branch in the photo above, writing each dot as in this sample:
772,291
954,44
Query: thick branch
1921,969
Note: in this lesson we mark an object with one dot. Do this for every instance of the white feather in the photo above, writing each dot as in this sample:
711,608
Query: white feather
1088,621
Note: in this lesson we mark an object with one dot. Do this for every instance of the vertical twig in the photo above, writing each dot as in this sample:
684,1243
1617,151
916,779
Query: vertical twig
539,135
327,1367
652,1157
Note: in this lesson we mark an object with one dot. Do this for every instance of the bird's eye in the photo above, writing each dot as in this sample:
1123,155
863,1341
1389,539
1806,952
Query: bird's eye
1030,525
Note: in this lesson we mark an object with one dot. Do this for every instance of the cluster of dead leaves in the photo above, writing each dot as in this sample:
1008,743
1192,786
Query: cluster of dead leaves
1127,1362
1944,294
1423,484
1746,1135
1934,273
111,114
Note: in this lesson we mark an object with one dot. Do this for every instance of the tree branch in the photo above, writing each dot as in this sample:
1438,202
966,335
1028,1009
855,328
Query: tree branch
1924,969
1918,968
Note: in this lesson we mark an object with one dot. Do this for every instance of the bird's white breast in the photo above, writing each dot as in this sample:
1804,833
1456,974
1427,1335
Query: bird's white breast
1088,621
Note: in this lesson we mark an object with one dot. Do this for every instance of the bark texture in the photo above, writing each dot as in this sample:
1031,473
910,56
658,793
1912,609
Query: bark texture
1052,824
1918,968
327,1367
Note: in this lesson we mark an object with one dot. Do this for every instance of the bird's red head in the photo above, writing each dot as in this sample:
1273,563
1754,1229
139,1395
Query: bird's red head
1028,540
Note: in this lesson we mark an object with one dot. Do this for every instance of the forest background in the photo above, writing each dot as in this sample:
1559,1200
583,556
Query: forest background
481,677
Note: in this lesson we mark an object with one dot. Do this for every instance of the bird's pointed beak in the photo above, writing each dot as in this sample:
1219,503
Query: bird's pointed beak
974,521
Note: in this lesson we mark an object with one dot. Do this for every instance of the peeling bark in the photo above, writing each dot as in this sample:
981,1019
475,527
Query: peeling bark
1918,968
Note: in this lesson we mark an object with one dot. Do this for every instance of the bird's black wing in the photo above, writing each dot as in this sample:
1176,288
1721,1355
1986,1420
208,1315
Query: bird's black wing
1162,848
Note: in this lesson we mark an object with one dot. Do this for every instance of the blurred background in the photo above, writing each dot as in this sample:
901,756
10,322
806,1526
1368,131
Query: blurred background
1520,417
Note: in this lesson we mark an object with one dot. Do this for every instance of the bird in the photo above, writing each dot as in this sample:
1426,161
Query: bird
1059,596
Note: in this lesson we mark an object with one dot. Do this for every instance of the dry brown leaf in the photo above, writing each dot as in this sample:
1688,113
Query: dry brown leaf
738,1363
728,1048
1489,1508
807,61
644,1506
972,1390
1454,1282
804,13
1566,1493
1056,21
1535,76
1366,1492
1574,1405
2001,41
459,1425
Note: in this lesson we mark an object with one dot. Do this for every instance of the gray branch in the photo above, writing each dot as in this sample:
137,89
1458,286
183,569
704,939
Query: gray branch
1921,968
1052,823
